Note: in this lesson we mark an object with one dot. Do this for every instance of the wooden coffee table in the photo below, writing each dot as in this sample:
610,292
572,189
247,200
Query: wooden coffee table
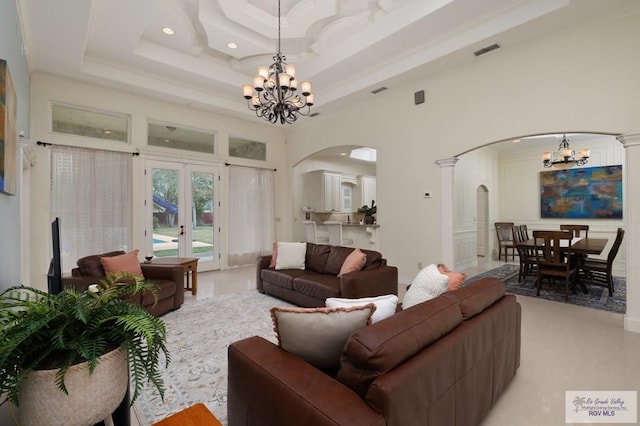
190,265
196,415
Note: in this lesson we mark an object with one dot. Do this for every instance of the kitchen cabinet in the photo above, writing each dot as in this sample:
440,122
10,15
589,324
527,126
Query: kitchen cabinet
323,191
367,190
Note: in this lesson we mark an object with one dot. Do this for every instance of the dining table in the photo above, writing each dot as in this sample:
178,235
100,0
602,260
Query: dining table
579,246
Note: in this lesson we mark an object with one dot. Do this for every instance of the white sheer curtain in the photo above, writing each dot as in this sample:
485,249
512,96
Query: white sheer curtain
91,193
251,214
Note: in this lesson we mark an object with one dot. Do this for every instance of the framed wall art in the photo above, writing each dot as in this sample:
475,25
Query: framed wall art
8,143
582,193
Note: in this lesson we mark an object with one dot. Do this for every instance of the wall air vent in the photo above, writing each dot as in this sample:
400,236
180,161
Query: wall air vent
486,49
378,90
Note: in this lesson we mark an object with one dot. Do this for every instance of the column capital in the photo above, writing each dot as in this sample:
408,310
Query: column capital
629,139
447,162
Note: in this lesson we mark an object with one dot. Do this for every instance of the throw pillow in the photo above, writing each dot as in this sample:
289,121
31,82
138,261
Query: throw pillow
318,335
456,279
274,255
124,263
429,283
291,255
385,305
354,262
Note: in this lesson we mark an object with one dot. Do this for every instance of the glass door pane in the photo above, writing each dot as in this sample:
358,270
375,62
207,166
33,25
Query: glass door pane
166,213
183,212
204,244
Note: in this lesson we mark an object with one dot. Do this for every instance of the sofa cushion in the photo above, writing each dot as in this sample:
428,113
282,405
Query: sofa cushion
386,305
291,255
316,257
318,335
282,278
319,286
336,259
478,296
374,259
91,265
372,351
123,263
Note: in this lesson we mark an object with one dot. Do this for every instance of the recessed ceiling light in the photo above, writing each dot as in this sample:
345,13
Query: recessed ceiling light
106,131
515,140
232,45
343,153
168,30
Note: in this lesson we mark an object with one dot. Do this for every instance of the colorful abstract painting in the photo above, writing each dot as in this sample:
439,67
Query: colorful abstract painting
8,143
582,193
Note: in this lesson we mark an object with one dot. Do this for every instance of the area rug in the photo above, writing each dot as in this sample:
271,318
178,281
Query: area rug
597,298
199,334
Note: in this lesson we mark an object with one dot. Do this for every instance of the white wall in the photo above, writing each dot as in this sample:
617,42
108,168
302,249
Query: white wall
10,225
46,89
585,80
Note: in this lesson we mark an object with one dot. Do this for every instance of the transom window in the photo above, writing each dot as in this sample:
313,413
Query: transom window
75,120
243,148
179,137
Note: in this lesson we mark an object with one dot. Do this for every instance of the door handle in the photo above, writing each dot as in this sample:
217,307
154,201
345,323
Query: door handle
181,229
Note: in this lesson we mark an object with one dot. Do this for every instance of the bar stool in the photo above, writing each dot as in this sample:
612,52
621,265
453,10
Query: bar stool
336,236
311,231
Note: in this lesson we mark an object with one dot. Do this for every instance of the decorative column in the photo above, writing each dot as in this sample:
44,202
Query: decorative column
631,143
447,189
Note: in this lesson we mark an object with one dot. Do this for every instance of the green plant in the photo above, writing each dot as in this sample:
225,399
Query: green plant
369,211
39,331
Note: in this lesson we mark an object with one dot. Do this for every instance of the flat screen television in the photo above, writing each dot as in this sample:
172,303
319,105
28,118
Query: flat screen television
54,277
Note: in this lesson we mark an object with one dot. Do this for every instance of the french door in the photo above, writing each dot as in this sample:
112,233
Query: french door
182,212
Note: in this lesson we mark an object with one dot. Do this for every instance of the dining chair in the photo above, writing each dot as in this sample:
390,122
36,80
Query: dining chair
554,258
504,232
576,230
526,256
600,271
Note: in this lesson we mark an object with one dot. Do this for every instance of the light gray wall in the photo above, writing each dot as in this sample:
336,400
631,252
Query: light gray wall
11,51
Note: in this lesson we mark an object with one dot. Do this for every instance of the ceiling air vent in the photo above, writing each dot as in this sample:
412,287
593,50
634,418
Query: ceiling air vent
378,90
486,49
314,114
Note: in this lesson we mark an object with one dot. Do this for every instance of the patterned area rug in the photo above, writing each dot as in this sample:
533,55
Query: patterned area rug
198,336
597,298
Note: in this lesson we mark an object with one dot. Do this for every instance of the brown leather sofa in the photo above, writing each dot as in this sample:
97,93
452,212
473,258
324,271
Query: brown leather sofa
442,362
169,279
312,286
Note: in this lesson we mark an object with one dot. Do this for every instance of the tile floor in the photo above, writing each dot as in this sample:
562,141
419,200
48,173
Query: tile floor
564,347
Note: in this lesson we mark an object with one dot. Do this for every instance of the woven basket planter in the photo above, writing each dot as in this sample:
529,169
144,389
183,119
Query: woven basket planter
92,397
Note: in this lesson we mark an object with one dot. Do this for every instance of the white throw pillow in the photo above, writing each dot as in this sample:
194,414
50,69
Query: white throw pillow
291,255
429,283
385,305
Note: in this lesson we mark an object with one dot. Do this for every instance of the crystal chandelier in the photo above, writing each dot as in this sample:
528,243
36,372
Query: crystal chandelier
565,155
273,94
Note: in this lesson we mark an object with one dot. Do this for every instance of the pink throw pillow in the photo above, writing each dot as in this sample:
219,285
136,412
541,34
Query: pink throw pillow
274,255
456,279
354,262
124,263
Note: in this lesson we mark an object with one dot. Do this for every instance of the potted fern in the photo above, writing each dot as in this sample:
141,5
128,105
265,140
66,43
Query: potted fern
369,212
53,344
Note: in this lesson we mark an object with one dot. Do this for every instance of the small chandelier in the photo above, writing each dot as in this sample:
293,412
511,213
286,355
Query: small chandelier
565,155
275,98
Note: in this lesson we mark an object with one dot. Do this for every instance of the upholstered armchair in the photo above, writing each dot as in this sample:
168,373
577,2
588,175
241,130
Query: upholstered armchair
168,278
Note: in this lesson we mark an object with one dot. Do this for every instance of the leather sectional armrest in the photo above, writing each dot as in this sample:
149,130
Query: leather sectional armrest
270,386
372,282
